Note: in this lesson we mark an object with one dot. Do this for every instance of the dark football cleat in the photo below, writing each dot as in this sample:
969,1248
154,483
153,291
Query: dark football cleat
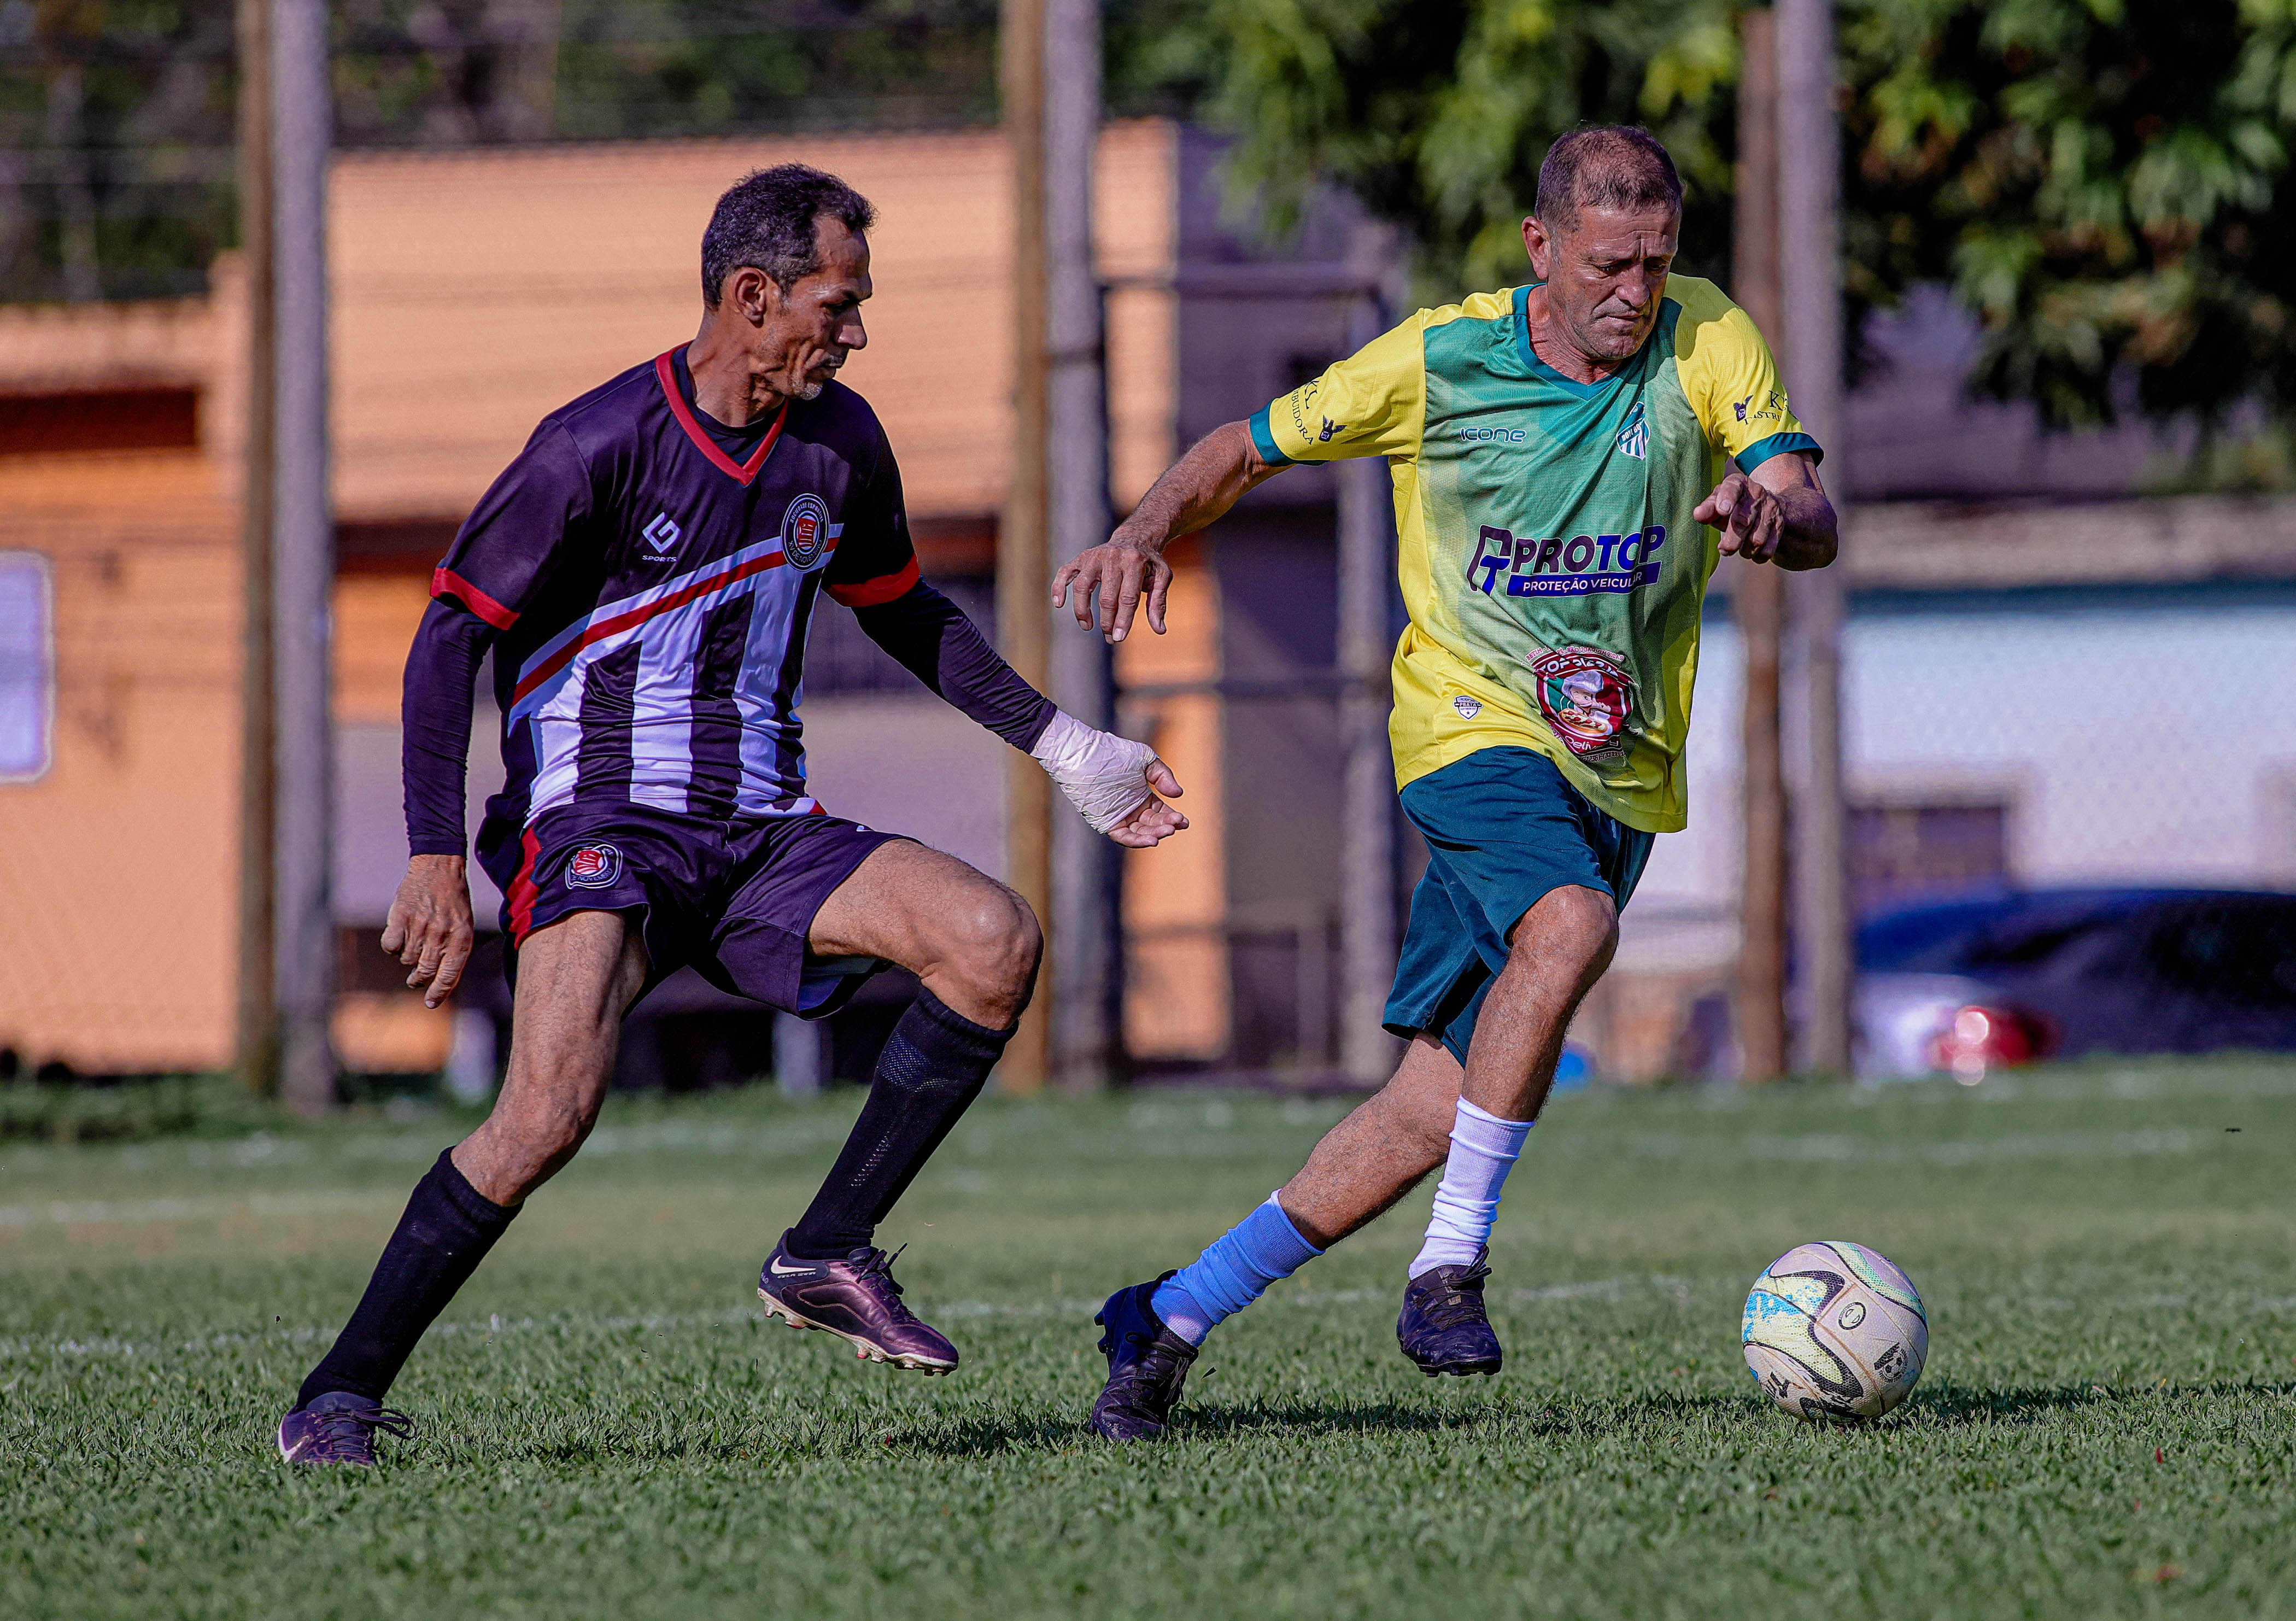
856,1299
338,1428
1147,1364
1444,1328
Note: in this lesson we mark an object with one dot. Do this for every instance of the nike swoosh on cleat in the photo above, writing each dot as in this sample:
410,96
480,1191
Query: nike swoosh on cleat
775,1267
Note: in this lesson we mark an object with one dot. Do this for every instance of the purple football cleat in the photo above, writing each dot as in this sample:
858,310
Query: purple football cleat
856,1299
1444,1327
338,1428
1147,1364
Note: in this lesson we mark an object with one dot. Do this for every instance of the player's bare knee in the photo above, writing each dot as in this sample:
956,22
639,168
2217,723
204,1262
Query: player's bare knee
989,947
1574,923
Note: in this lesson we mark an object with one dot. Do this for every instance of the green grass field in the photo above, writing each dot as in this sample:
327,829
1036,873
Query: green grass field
2107,1425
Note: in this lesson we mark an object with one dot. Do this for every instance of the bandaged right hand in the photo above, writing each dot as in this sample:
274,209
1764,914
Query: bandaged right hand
1112,782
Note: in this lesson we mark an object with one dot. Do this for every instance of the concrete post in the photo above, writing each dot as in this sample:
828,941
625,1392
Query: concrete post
303,556
1084,939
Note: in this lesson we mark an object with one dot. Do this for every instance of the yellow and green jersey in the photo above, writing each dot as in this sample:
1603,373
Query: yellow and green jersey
1549,559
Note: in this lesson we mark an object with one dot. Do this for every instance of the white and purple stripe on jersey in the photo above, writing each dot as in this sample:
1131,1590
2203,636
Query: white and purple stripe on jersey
621,702
645,597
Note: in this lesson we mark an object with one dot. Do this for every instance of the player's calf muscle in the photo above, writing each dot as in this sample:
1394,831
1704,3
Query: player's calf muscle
575,979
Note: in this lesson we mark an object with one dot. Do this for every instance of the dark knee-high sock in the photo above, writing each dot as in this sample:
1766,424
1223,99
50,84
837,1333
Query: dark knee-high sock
448,1227
930,1071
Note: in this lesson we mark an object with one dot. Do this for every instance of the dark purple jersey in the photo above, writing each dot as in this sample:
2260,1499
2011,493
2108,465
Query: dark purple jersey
646,597
650,594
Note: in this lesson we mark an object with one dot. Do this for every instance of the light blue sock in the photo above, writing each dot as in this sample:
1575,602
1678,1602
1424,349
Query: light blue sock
1233,1273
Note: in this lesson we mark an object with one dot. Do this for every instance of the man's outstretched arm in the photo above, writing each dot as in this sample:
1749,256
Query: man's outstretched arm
1113,782
1130,565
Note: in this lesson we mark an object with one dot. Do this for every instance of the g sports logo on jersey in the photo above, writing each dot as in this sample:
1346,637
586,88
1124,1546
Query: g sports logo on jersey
661,533
805,532
1578,566
1586,695
594,866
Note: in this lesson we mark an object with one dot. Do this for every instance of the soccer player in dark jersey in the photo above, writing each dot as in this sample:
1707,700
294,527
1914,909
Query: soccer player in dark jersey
643,573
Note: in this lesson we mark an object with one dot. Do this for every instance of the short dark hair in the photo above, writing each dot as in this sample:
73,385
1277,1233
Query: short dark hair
769,220
1605,166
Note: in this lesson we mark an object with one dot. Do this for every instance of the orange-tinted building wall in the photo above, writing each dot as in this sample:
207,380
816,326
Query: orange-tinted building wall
1176,984
119,895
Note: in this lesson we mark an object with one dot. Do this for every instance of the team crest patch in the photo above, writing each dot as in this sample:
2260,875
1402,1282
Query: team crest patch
1468,707
1633,438
1587,697
594,866
805,532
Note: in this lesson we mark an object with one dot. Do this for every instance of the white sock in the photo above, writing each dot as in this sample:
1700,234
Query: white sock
1483,1149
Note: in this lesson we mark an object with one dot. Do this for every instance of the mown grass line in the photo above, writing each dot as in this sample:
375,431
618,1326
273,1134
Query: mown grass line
2108,1425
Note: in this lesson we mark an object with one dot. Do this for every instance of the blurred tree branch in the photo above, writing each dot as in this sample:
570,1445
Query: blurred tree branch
2105,182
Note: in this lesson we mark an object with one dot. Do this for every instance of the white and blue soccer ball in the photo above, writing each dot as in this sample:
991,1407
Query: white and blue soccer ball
1835,1330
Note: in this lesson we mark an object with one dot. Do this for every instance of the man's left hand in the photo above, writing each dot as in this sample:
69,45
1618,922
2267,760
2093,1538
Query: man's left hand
1752,519
1155,820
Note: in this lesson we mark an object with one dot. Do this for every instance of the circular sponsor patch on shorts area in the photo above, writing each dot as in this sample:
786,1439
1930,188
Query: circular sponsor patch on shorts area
805,532
1468,707
594,866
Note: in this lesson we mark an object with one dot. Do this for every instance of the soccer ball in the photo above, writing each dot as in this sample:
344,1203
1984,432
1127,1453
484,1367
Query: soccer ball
1834,1331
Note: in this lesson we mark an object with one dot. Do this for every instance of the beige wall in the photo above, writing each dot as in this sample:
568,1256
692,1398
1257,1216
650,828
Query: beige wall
118,869
475,291
1175,993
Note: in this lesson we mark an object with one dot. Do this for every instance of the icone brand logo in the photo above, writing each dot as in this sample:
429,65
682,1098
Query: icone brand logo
805,532
1586,695
1490,436
1578,566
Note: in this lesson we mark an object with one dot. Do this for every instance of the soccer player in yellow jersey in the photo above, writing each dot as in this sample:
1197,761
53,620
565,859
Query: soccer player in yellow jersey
1571,459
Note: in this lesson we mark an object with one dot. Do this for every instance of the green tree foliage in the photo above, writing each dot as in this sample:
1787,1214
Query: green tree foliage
2105,183
115,145
116,116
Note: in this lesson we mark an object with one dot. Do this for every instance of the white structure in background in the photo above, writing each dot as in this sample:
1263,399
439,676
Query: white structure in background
2050,678
2119,745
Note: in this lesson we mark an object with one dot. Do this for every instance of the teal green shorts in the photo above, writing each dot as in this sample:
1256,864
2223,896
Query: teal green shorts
1503,828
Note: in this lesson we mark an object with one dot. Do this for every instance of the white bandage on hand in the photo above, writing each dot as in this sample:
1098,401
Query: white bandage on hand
1104,776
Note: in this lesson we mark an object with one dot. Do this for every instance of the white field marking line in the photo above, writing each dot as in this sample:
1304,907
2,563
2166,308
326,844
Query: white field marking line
2120,1086
1828,1148
64,1213
1819,1147
149,1344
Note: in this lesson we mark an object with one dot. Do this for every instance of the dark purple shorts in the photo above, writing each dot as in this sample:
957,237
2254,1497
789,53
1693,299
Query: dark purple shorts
732,900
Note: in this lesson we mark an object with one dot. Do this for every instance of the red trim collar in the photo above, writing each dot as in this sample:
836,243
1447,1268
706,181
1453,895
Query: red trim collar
742,471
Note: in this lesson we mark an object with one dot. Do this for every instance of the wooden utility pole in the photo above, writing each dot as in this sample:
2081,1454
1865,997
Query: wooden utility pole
1809,219
1367,873
1759,593
303,555
1085,944
286,925
257,1042
1023,583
